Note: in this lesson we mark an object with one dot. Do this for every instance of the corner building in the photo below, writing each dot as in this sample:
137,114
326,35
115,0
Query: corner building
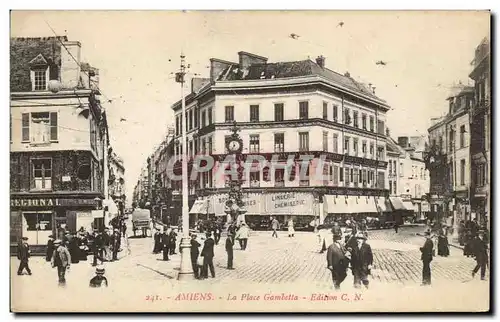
288,109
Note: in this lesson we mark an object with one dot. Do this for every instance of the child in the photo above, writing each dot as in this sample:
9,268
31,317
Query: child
99,280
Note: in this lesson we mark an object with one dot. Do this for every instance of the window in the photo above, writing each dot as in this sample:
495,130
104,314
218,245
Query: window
335,113
40,78
325,141
363,148
452,140
395,188
203,146
203,118
37,227
390,186
279,142
462,172
93,134
209,115
372,152
352,175
191,148
372,124
395,171
209,145
355,146
303,141
347,116
229,113
380,153
380,127
42,174
279,177
335,143
304,174
381,180
336,175
355,118
254,143
360,176
325,110
390,168
363,176
341,174
278,112
346,145
401,169
481,175
363,121
191,123
303,110
196,117
440,143
43,127
254,179
462,136
254,113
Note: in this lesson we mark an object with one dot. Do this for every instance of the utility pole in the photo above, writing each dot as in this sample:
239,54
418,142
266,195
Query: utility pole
186,271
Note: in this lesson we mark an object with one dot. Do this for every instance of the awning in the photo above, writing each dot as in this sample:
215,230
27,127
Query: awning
200,206
383,204
361,204
409,205
397,203
349,204
335,204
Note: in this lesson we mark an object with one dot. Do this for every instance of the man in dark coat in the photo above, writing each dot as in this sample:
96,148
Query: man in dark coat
23,254
195,252
165,244
229,250
217,232
361,261
480,249
173,241
50,248
337,262
157,240
427,254
116,243
208,256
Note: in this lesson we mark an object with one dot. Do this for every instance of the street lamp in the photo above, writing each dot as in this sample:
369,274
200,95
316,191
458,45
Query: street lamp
186,271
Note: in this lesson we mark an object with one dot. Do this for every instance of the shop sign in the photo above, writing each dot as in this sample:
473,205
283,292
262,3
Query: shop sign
50,202
252,203
290,203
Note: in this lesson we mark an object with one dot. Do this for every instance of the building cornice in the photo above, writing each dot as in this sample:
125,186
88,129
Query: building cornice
49,95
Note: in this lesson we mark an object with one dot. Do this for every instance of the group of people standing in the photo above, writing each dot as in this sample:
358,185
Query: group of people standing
165,242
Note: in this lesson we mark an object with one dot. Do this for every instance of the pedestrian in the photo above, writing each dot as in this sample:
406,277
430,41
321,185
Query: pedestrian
337,262
195,252
50,248
427,254
480,249
208,256
217,232
396,226
361,261
157,241
443,246
242,235
322,239
23,254
336,230
106,242
173,241
229,250
99,280
275,225
165,244
461,233
291,230
115,243
61,260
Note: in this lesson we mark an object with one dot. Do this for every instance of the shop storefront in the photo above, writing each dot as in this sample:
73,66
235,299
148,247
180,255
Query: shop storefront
38,218
341,207
298,206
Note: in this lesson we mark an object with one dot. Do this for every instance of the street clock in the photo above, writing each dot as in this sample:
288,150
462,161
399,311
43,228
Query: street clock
234,145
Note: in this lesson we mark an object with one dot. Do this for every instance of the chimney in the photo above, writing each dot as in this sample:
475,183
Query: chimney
403,141
320,60
347,74
217,66
248,59
387,132
70,69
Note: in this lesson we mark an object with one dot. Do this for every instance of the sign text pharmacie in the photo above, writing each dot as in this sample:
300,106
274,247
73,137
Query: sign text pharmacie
50,202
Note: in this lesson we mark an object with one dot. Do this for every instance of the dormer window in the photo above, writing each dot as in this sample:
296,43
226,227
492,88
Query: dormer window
39,72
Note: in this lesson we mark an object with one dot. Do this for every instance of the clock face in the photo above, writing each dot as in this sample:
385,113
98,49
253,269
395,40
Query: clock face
234,146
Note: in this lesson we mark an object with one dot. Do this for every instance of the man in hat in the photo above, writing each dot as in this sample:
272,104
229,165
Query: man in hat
229,250
195,252
208,256
23,254
361,261
99,280
173,241
480,251
427,254
62,260
157,241
242,235
50,248
337,262
116,243
165,243
106,243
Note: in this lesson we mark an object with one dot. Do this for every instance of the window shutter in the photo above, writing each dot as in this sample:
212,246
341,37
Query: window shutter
26,127
53,126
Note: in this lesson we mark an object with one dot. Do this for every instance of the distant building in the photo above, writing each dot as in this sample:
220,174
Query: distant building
58,140
116,181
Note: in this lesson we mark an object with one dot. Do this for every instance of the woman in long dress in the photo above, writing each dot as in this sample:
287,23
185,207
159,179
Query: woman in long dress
291,230
443,247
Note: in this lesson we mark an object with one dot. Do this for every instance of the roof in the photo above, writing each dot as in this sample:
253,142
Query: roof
392,146
292,69
460,90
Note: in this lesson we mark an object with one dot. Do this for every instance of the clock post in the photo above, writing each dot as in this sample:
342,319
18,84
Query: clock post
234,205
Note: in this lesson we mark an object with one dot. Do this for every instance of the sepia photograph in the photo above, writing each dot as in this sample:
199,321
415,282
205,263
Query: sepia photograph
250,161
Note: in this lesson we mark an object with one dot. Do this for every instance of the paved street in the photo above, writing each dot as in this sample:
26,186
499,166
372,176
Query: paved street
266,264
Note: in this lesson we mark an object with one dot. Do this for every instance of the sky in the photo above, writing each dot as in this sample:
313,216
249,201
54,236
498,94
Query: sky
137,53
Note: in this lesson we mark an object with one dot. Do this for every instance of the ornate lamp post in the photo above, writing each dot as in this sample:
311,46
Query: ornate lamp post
234,205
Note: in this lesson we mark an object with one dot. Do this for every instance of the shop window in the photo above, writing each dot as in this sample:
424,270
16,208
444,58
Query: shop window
37,226
42,174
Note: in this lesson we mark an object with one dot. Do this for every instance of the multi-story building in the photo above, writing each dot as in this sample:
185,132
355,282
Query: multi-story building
59,140
116,181
141,190
480,118
450,142
289,109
